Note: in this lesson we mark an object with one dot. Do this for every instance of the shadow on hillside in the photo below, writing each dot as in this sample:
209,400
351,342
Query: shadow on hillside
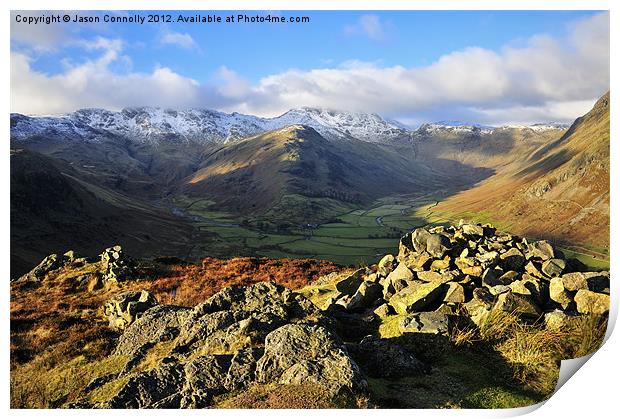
473,376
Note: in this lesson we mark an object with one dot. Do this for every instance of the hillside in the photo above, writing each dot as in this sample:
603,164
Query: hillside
462,316
560,191
53,209
252,175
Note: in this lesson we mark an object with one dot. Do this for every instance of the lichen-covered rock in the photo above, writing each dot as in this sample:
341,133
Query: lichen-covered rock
425,322
559,320
473,230
553,267
541,249
302,354
116,266
386,265
520,305
149,388
38,273
455,293
349,284
437,245
589,302
161,322
417,297
512,260
480,305
419,237
380,358
558,293
125,308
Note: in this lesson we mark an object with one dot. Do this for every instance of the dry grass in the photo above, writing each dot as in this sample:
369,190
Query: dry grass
532,351
191,284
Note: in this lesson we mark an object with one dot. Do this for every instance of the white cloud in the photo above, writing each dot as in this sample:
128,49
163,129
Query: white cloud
41,37
369,25
183,40
547,79
93,84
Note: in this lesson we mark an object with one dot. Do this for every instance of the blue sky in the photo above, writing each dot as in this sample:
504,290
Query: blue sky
267,68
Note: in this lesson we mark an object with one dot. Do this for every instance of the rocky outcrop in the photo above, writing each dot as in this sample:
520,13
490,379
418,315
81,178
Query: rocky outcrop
125,308
263,333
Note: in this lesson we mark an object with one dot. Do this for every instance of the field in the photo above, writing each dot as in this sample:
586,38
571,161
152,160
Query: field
352,236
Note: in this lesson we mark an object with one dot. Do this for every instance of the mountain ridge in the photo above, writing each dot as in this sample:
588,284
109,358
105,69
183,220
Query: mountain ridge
153,124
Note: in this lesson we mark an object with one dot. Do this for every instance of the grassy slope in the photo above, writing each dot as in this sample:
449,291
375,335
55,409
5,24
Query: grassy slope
53,211
559,192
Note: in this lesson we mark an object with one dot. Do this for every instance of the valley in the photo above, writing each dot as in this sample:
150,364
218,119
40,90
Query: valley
311,183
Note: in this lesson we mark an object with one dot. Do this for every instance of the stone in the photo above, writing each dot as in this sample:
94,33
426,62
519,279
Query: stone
475,271
558,320
455,293
558,293
419,238
440,265
553,267
520,305
349,284
480,305
147,388
575,281
425,322
380,358
116,267
498,289
385,265
383,311
598,281
531,269
242,370
125,308
527,286
486,259
512,260
69,257
496,276
541,249
367,293
431,276
401,273
464,262
437,245
589,302
417,297
304,354
473,230
419,262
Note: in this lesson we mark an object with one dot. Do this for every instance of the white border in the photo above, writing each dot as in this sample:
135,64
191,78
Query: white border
591,393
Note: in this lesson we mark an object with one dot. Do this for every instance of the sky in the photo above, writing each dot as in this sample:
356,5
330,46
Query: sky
487,67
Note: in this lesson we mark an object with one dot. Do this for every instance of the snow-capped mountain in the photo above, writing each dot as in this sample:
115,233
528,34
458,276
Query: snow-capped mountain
147,124
458,127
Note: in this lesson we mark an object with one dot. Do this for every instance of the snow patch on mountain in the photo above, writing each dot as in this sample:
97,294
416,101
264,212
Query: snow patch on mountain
148,124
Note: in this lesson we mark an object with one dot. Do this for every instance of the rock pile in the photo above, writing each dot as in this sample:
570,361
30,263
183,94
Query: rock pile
469,271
